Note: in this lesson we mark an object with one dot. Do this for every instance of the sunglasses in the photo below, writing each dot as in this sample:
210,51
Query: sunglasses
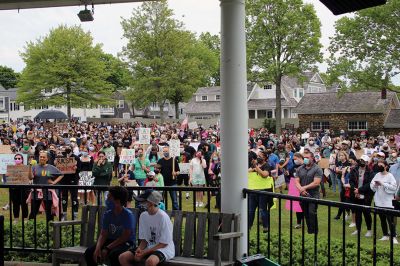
18,159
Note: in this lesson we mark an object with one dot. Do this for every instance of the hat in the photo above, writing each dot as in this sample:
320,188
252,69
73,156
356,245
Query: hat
345,142
381,154
151,173
149,195
72,139
365,158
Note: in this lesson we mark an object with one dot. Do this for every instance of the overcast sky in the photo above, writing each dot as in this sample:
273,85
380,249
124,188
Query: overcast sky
198,15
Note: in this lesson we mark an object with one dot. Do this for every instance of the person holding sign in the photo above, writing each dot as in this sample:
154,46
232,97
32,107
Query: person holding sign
169,169
141,166
43,174
19,195
102,172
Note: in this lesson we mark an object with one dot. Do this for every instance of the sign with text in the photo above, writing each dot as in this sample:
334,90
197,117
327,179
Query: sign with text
184,168
8,159
144,135
127,156
5,149
174,145
17,174
85,179
66,165
324,163
305,136
193,125
110,155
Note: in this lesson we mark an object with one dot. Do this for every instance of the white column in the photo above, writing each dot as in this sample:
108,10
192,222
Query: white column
273,112
255,114
234,112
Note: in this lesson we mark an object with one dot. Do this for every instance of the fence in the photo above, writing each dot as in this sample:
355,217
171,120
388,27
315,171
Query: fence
100,195
283,245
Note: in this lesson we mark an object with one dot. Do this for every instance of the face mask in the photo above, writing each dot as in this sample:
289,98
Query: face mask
84,153
311,142
381,168
26,147
215,158
376,159
330,147
64,153
362,165
398,159
306,161
297,162
156,171
68,151
166,154
110,204
91,148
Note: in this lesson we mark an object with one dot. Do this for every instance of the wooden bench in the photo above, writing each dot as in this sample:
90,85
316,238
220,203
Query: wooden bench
199,238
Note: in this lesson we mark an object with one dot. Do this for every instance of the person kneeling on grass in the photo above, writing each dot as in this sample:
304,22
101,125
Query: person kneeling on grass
155,234
118,232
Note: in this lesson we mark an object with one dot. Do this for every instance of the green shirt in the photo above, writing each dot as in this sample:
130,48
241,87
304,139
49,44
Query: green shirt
139,172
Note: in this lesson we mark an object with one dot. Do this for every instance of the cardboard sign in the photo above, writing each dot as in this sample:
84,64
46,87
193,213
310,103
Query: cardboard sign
17,174
193,125
184,168
174,145
280,181
110,155
66,165
127,156
305,136
144,135
8,159
5,149
324,163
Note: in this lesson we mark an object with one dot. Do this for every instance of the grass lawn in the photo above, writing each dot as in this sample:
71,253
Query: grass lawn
336,233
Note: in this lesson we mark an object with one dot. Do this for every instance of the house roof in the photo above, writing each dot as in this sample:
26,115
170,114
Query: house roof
207,107
351,102
208,90
11,93
393,119
269,103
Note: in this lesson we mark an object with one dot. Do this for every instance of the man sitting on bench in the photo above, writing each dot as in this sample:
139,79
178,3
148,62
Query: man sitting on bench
155,234
117,232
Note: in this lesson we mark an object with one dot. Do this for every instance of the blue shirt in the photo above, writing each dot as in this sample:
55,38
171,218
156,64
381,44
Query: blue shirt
116,224
395,171
273,159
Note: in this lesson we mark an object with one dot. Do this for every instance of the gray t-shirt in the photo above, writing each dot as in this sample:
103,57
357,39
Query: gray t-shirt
41,175
307,177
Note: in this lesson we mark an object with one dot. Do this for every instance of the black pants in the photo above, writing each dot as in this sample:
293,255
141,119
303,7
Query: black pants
299,217
310,215
74,199
18,199
359,213
387,220
35,206
112,256
341,210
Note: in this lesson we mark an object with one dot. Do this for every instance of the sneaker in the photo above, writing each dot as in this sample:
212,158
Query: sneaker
395,242
297,226
368,234
346,217
265,230
352,225
63,217
385,238
354,233
197,204
201,204
187,195
6,207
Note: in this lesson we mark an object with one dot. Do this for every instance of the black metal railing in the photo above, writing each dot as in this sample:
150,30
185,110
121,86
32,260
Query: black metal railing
263,243
42,243
1,240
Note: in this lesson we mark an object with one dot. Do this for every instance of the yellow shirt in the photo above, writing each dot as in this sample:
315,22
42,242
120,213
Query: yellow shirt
256,181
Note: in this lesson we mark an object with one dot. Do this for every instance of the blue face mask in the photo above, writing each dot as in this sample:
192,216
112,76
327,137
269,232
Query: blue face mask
306,161
110,204
398,159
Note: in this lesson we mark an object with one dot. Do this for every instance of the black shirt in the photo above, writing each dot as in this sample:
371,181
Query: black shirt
307,176
166,170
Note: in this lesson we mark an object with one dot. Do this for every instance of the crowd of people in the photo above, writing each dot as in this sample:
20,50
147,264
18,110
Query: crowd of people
362,168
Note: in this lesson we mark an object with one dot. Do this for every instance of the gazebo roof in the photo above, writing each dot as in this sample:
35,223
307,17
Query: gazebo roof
339,7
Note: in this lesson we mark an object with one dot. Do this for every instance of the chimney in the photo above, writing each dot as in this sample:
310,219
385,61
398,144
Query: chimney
383,94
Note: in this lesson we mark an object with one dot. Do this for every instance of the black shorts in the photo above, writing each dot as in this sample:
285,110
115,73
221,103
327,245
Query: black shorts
183,179
159,254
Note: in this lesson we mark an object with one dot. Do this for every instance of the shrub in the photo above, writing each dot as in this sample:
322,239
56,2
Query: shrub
270,124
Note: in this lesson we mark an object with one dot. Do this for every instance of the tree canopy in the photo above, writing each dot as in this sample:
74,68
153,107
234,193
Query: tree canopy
282,39
8,77
64,68
365,50
167,62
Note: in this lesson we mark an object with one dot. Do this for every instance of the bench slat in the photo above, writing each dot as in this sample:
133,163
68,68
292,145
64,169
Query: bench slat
177,231
189,233
83,239
213,225
201,235
91,225
227,221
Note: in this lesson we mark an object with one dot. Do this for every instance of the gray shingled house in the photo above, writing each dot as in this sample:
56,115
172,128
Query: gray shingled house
353,112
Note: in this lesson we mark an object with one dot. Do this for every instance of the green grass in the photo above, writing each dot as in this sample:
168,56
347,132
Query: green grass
336,232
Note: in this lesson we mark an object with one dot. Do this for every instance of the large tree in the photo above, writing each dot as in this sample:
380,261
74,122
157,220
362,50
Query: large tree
166,61
8,77
213,42
282,39
64,68
365,50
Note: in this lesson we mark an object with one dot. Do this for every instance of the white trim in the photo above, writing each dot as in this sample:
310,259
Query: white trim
3,107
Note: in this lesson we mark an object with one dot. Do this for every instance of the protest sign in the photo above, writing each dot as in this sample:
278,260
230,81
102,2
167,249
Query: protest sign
85,179
195,145
174,146
193,125
279,181
66,165
5,149
127,156
324,163
184,168
305,136
144,135
110,155
8,159
17,174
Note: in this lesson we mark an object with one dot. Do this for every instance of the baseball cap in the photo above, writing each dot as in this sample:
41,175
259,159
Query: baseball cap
72,139
149,195
365,158
151,173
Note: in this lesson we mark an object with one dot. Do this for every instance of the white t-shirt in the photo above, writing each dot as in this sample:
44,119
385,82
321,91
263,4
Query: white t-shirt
384,194
157,229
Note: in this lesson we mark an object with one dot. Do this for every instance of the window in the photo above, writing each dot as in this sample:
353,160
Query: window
2,103
120,104
204,98
313,89
317,126
268,87
48,90
298,93
11,107
269,114
358,125
262,113
301,93
217,97
252,114
202,117
181,111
